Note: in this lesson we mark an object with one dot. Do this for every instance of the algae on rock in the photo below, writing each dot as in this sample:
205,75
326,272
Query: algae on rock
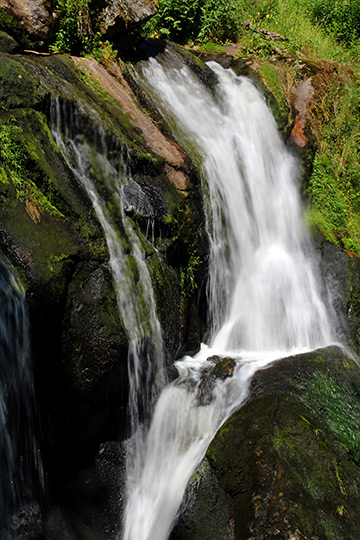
286,465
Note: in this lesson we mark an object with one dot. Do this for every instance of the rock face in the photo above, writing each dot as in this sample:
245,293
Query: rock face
107,17
50,233
286,465
31,14
120,14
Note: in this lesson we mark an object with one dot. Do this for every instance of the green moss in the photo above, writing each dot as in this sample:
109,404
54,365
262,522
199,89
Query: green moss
340,408
17,87
20,168
275,80
11,25
184,240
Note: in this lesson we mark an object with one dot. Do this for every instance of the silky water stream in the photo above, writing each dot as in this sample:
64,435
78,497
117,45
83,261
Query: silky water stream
264,295
21,476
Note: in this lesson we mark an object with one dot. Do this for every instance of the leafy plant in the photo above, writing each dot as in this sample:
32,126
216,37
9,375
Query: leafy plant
15,168
219,21
75,32
339,18
197,20
177,20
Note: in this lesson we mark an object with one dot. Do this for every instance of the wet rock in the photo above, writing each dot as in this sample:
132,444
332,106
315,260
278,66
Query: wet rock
342,271
286,465
224,368
17,88
50,233
89,505
215,358
204,498
26,524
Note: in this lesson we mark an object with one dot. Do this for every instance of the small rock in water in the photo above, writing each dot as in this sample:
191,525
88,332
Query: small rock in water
224,368
214,359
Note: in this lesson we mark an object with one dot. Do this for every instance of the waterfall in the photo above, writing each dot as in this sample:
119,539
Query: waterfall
20,464
90,162
265,297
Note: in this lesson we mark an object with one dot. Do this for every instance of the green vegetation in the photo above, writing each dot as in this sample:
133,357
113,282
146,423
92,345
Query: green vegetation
289,42
75,33
223,20
183,239
335,181
11,25
197,20
15,168
340,408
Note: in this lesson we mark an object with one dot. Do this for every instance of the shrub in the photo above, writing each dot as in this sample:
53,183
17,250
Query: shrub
74,33
219,20
341,18
197,20
177,20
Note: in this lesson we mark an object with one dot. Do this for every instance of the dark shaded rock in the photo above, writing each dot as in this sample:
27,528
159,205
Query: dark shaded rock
89,506
288,460
206,508
8,44
17,88
223,368
215,358
50,233
341,271
26,524
93,339
118,15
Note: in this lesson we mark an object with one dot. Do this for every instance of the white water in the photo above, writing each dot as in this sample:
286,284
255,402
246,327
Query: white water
20,464
265,300
134,292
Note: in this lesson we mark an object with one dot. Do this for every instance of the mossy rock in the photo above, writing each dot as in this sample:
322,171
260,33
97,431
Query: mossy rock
43,211
17,87
11,25
8,44
288,459
94,338
50,233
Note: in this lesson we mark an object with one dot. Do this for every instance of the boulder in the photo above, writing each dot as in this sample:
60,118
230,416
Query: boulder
118,15
40,20
286,465
8,44
32,15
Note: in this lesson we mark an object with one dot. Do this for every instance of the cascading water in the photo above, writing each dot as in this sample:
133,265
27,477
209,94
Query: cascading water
265,300
134,292
20,464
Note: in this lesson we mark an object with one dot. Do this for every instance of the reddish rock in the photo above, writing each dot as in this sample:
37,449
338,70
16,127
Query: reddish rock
303,95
